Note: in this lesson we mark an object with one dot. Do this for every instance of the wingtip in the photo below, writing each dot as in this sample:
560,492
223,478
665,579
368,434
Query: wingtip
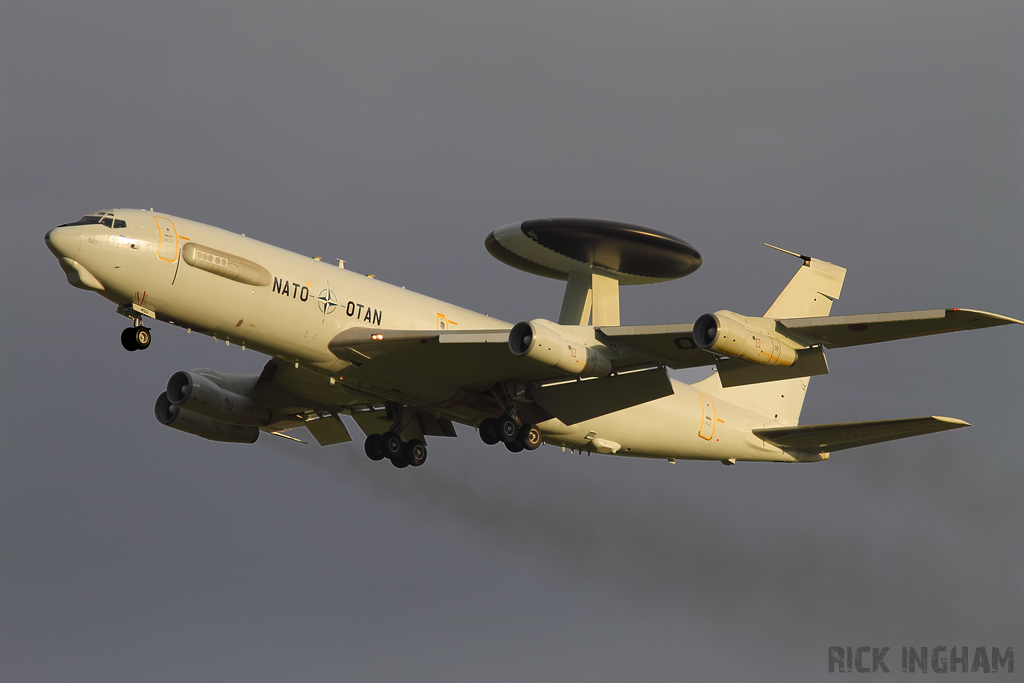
1002,319
951,420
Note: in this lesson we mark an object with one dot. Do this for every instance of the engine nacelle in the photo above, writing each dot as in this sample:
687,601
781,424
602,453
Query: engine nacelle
186,421
199,394
541,341
727,334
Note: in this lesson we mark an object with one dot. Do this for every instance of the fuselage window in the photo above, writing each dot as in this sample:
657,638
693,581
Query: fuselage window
120,225
107,221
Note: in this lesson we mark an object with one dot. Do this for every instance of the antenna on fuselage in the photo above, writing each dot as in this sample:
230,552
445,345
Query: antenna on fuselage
806,259
595,257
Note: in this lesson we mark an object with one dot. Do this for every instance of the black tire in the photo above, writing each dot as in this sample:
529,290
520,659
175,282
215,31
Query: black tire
393,445
508,430
128,339
514,446
374,447
400,461
143,337
415,452
489,431
530,437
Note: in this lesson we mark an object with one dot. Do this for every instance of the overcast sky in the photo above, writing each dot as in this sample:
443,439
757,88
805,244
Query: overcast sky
886,137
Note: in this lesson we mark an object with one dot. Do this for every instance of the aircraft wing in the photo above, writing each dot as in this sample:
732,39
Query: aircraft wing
477,359
851,330
837,437
468,359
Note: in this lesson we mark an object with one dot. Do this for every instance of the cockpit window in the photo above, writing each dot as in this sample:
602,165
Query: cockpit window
106,219
84,220
99,218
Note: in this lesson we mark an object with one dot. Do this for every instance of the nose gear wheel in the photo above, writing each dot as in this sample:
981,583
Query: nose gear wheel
136,338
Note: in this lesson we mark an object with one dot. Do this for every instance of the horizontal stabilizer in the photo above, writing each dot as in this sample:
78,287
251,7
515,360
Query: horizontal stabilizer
837,437
576,401
853,330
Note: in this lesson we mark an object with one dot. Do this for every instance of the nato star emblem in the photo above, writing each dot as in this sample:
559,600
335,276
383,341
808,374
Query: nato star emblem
327,302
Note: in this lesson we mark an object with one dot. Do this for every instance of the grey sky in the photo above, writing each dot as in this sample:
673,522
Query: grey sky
885,137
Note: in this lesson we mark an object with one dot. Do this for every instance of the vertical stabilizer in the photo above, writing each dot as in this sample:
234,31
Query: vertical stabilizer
811,291
809,294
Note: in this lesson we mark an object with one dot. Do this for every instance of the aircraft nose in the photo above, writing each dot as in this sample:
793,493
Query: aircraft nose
64,241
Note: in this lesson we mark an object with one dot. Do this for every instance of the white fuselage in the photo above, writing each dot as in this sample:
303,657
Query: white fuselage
307,302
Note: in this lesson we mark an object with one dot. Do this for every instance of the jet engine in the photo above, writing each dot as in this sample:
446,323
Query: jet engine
729,334
186,421
198,393
542,341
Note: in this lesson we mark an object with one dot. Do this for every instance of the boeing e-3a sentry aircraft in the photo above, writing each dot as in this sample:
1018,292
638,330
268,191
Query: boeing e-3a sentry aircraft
406,366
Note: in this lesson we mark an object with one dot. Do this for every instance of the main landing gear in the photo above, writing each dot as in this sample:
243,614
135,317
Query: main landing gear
136,338
507,430
401,453
390,445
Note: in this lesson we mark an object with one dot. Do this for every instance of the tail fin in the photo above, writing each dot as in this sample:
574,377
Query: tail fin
811,291
809,294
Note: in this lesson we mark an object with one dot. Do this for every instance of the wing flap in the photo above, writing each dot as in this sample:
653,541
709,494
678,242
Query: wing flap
853,330
668,345
734,372
286,389
576,401
328,430
369,342
837,437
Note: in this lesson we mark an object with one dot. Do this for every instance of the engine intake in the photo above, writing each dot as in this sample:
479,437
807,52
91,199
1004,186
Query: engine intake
176,417
540,341
199,394
727,334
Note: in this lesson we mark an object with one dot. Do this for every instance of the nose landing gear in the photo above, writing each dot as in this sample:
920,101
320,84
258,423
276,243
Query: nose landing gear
136,338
